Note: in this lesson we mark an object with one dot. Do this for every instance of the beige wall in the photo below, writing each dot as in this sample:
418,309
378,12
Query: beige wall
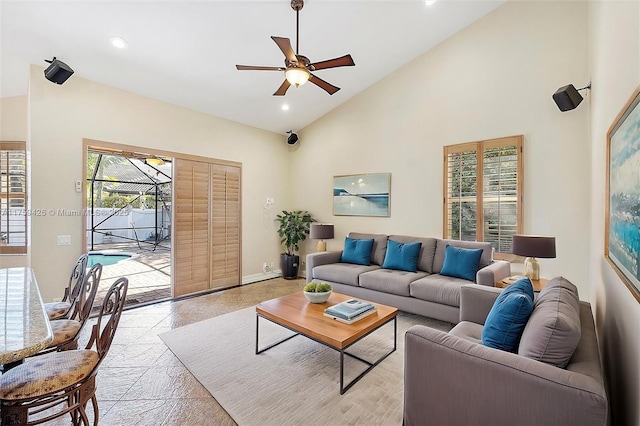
494,78
13,127
614,40
61,116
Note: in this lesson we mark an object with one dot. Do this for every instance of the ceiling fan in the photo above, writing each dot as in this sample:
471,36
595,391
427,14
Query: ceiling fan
297,69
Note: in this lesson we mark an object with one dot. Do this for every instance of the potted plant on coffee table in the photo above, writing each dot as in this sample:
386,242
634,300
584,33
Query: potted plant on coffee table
293,229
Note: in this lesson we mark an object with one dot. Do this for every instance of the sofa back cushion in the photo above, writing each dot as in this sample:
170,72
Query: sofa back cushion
427,251
441,247
357,251
379,245
508,316
553,331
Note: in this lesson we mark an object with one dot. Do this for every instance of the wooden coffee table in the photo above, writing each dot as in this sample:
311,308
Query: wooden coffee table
297,314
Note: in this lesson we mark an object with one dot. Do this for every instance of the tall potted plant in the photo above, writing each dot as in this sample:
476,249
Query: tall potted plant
293,229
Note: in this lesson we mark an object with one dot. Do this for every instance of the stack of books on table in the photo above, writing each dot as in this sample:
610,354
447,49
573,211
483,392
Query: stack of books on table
350,310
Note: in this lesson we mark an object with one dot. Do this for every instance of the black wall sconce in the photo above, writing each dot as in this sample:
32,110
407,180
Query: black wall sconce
567,97
58,72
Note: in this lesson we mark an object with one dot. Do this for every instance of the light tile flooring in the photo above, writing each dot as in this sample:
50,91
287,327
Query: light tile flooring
141,382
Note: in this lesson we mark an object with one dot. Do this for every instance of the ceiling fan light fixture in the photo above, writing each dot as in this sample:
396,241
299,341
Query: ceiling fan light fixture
297,76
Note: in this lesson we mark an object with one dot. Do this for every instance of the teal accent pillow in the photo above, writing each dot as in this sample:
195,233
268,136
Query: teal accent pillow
401,256
357,251
461,262
508,316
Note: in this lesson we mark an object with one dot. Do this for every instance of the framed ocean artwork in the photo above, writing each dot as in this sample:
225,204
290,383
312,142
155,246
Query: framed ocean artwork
622,233
362,195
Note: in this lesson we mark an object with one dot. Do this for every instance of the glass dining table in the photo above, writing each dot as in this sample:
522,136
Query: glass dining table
24,325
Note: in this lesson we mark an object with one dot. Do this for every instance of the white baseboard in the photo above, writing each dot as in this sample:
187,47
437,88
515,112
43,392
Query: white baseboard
248,279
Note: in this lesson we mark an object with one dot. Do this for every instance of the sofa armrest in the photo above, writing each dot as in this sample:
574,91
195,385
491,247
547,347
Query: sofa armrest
476,301
450,380
491,274
321,258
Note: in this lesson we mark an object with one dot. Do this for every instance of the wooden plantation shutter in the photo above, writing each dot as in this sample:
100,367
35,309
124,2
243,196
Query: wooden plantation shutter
483,191
207,226
502,187
13,198
225,225
461,194
191,228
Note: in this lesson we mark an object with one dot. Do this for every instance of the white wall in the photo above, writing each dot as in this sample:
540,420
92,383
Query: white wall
61,116
614,40
493,79
13,127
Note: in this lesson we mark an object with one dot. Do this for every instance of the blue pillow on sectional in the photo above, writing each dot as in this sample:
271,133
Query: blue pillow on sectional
461,262
402,256
357,251
508,316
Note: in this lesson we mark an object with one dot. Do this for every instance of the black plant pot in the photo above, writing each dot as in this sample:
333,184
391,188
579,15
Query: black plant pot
289,266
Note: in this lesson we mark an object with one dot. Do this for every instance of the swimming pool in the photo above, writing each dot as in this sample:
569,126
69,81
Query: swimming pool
106,258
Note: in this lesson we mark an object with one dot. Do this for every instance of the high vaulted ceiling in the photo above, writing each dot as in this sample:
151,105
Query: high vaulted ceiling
185,52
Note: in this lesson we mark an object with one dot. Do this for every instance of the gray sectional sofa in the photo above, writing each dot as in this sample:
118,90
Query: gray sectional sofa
554,377
424,292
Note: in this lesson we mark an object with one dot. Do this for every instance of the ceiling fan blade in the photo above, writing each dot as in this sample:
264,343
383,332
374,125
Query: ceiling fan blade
330,88
343,61
283,88
258,68
285,45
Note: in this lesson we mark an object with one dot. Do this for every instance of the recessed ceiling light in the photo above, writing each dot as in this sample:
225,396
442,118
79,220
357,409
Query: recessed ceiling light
285,107
118,42
429,2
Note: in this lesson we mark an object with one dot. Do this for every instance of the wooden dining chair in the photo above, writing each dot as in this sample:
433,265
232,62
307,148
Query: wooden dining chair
66,331
62,309
50,386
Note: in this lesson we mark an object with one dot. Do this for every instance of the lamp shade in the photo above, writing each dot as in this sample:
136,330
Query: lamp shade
534,246
321,231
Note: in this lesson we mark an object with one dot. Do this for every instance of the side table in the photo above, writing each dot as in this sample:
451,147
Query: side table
537,284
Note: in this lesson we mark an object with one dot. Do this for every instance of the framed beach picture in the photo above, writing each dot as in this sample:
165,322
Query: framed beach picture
622,233
362,195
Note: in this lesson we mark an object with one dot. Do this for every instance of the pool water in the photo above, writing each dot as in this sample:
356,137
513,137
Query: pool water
106,258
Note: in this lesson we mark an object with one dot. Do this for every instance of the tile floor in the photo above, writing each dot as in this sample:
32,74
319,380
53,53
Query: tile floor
141,382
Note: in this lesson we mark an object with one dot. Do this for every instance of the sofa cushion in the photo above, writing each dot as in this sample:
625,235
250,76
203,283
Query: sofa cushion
461,262
401,256
468,330
390,281
508,317
427,251
379,245
346,273
438,289
441,247
357,251
553,331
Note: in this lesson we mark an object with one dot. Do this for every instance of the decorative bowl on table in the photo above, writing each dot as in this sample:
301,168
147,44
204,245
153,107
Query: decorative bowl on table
314,297
317,292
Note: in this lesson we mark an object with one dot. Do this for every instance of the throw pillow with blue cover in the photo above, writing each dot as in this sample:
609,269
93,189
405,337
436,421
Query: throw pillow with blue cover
461,262
402,256
357,251
508,316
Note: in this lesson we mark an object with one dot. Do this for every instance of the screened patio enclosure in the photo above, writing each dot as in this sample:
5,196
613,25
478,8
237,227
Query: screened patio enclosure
128,200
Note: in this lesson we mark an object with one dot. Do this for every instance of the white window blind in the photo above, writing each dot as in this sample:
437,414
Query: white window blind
483,191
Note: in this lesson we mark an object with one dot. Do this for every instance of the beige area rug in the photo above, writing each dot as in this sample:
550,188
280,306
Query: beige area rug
298,381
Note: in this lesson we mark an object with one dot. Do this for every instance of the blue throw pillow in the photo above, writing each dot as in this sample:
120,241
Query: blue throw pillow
402,256
357,251
461,262
508,316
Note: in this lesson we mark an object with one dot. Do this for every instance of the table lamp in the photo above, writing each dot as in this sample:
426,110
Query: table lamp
532,246
322,232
